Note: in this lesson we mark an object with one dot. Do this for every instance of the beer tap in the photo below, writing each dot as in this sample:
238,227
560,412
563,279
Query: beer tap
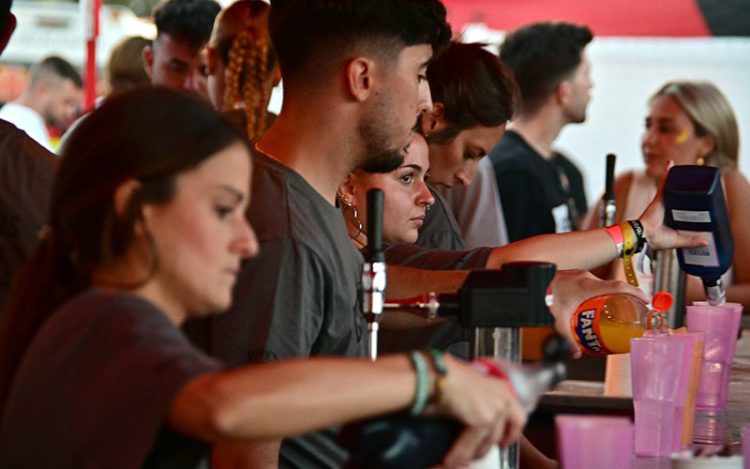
608,199
373,271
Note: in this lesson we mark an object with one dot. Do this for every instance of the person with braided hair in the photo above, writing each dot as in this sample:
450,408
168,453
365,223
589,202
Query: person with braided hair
242,67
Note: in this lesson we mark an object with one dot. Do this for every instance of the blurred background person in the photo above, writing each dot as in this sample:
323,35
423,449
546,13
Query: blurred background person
690,122
541,190
125,65
182,30
51,98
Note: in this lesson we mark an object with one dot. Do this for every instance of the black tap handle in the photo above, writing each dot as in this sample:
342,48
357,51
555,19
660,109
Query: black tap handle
375,226
609,187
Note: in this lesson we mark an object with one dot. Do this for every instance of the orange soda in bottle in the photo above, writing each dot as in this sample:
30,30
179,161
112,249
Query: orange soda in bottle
605,324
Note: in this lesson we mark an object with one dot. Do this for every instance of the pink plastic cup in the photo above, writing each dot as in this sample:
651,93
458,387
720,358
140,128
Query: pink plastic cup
721,325
658,394
746,446
594,442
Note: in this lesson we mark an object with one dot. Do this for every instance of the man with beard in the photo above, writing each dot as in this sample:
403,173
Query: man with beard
541,190
51,98
354,84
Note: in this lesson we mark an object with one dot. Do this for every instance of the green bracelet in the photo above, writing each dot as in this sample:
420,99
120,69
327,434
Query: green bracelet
441,371
422,391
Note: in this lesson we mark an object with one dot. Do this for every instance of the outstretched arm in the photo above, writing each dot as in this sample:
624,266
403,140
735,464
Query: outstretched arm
295,396
592,248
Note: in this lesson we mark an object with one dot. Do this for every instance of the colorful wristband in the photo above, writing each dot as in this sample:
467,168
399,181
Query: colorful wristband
422,391
615,232
441,374
629,248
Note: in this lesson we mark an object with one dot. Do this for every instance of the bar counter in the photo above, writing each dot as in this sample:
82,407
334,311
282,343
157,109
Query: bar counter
587,397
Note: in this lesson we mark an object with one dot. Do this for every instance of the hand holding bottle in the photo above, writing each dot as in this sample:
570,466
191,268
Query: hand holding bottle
486,405
483,403
570,288
605,324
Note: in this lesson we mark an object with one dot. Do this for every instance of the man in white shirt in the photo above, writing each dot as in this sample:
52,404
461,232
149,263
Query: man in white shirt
52,97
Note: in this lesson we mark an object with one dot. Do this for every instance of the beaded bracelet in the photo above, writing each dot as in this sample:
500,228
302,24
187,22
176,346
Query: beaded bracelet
441,372
422,392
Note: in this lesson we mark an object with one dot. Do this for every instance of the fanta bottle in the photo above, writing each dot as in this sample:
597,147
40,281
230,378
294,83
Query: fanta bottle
605,324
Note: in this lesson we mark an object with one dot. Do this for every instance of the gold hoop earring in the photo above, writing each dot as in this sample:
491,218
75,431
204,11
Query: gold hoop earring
700,161
355,214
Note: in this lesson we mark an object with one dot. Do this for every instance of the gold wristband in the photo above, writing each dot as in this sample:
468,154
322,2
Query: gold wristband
628,249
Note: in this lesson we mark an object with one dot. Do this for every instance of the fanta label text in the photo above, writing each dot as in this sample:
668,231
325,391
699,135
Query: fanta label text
587,331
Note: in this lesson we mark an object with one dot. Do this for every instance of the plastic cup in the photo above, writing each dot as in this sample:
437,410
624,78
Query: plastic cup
721,325
594,442
659,391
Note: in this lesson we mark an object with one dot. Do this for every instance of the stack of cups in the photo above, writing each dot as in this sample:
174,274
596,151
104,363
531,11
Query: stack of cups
662,367
721,326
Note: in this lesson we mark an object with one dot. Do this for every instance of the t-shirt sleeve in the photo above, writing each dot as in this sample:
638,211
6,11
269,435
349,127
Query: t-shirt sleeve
141,363
279,306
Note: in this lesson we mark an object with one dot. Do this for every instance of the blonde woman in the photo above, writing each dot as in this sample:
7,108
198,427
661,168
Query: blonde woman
690,122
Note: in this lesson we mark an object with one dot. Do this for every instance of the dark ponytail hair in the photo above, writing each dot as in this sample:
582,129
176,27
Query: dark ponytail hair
150,135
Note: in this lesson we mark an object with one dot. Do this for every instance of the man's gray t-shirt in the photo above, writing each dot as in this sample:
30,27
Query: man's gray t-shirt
95,385
299,296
